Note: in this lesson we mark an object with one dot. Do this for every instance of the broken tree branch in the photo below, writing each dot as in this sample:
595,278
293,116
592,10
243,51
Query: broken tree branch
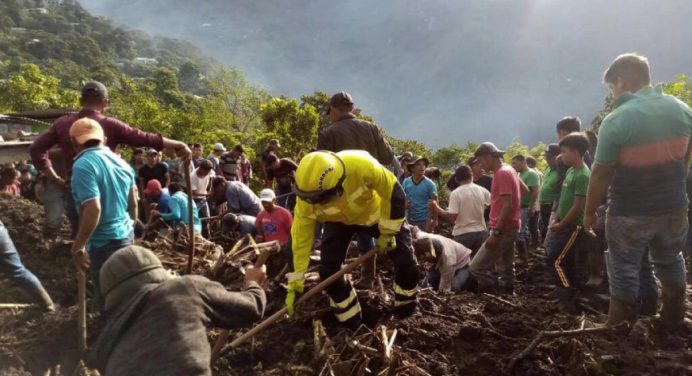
547,334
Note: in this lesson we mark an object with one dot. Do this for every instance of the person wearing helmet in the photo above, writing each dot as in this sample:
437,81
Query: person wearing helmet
351,193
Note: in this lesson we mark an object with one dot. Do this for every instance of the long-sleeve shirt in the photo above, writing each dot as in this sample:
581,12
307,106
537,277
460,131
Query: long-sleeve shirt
349,133
116,132
451,256
372,195
178,211
162,329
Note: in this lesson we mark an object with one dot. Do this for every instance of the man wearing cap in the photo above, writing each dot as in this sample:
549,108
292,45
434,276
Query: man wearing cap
94,101
154,169
104,190
498,249
404,160
351,193
157,196
283,171
419,191
349,133
549,189
240,223
274,223
157,323
215,156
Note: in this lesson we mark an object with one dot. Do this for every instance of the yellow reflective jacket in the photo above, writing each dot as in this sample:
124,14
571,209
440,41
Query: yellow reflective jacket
371,196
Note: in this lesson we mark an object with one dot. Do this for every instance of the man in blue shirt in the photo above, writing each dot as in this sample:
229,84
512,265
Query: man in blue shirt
157,195
419,190
105,194
178,209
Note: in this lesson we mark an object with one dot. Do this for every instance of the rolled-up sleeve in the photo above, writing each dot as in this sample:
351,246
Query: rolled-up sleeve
127,135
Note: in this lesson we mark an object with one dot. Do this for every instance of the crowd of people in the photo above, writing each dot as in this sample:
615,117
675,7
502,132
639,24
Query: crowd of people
355,189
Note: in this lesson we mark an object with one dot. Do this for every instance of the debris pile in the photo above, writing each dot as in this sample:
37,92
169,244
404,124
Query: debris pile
464,333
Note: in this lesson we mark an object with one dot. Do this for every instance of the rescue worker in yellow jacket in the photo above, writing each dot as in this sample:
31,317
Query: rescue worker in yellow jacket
350,192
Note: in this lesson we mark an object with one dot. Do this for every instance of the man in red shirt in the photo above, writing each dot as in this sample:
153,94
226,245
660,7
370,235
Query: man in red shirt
274,223
498,249
94,102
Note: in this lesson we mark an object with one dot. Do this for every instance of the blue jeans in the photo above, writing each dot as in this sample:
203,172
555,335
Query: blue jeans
54,206
419,224
97,257
472,240
628,240
11,266
525,214
203,212
460,277
71,213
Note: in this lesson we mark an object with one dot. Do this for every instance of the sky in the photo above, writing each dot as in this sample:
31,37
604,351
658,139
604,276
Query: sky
437,71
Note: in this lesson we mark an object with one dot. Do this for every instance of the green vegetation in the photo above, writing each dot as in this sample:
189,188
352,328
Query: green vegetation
48,49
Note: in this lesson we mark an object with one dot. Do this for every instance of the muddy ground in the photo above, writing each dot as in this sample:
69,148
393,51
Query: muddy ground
465,333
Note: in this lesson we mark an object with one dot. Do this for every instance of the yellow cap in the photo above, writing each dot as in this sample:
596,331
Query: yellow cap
86,129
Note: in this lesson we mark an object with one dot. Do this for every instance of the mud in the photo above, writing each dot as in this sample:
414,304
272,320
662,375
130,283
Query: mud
465,333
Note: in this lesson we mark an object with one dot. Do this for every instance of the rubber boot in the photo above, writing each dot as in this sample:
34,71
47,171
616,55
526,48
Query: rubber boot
567,300
648,306
367,277
522,252
619,311
672,309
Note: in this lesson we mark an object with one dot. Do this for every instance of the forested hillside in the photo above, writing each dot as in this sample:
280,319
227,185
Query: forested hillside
49,48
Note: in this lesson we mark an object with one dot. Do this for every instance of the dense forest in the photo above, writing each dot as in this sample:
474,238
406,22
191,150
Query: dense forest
48,49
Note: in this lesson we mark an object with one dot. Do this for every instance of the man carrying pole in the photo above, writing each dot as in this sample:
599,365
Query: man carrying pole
351,193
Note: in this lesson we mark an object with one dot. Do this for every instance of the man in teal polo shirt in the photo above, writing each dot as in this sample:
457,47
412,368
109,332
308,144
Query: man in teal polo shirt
642,157
104,191
419,191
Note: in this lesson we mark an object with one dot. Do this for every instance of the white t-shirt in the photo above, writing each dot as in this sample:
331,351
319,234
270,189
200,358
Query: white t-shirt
199,185
469,201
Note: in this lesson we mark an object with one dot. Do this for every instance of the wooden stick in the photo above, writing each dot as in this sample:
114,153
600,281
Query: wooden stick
280,314
545,334
15,305
188,189
81,319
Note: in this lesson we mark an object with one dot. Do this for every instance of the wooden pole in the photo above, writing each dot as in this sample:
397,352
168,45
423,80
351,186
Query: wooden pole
81,319
190,205
309,294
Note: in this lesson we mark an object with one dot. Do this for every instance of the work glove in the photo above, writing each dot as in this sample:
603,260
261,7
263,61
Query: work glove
296,283
385,243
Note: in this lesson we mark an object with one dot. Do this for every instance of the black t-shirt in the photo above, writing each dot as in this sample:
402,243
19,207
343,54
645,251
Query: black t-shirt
157,172
284,175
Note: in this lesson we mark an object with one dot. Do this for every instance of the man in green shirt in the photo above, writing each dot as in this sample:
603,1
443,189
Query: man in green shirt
528,202
567,228
549,189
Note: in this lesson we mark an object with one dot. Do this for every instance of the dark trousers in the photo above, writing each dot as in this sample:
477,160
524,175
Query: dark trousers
472,240
544,220
98,257
533,226
287,199
562,250
335,242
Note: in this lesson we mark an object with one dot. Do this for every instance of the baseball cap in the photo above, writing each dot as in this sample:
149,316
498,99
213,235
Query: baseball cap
420,158
219,147
86,129
267,195
94,89
152,152
153,186
487,148
552,150
341,99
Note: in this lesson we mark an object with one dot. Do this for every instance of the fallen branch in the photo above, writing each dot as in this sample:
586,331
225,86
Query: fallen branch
545,334
15,305
503,301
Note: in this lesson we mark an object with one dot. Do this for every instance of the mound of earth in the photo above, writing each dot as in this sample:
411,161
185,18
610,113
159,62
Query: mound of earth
465,333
